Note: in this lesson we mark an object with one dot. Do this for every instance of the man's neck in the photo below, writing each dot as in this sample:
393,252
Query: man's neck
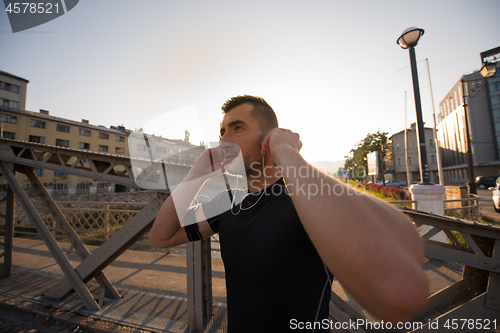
268,176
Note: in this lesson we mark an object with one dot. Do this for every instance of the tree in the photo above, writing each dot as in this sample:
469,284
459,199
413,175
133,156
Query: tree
358,161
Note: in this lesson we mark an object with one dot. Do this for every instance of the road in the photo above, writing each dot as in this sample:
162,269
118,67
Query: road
487,205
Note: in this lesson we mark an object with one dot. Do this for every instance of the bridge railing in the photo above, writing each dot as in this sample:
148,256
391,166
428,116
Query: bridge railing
94,222
467,208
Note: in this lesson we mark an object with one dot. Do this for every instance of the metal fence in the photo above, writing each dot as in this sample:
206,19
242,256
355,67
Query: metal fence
467,209
94,222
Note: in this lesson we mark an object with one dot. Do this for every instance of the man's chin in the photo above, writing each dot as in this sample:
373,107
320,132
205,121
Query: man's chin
236,169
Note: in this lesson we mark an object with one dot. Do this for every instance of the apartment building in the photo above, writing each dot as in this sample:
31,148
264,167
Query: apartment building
16,123
396,161
482,96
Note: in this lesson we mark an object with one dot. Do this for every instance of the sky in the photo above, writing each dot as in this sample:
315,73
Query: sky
331,70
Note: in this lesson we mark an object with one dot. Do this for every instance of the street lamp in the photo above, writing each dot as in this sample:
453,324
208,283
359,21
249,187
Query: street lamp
486,71
408,40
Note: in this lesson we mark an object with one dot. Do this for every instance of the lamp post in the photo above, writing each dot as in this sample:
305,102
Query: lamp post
486,71
408,40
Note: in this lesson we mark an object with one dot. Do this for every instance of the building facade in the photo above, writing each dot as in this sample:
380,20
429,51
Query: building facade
482,100
16,123
396,161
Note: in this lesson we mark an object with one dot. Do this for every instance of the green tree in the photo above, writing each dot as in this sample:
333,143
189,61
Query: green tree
357,161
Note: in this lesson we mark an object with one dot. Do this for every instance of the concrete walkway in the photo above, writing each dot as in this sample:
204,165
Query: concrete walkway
145,271
147,280
152,284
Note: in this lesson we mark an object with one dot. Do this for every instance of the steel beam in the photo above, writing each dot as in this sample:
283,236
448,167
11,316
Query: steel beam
99,166
127,235
65,228
71,275
199,283
6,266
457,320
472,285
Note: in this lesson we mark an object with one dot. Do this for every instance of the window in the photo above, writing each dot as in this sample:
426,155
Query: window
120,138
63,128
9,135
37,123
60,174
60,187
431,143
83,145
410,160
102,186
84,131
13,105
409,144
495,100
8,104
82,186
141,147
161,149
103,148
7,118
39,172
433,159
399,161
62,143
9,87
397,147
103,136
120,150
36,139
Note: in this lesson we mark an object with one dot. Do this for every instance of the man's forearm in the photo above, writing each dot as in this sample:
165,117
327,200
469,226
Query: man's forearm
371,247
167,222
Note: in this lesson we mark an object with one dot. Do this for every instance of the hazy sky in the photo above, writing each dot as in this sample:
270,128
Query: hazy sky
331,69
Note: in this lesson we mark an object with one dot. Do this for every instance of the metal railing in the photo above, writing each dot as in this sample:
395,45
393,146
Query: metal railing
467,209
94,222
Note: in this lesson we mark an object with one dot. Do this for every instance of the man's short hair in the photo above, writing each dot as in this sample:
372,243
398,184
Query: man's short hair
261,111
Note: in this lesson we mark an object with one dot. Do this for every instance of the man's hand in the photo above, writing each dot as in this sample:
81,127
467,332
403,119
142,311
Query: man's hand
279,139
210,162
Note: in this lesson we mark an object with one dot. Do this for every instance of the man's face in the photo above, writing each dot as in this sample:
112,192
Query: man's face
240,128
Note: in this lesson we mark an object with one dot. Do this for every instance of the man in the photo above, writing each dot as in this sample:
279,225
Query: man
293,227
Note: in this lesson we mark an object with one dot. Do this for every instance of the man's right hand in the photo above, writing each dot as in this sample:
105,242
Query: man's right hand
209,164
213,161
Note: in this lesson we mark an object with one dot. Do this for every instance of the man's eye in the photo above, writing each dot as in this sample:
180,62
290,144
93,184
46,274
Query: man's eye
236,128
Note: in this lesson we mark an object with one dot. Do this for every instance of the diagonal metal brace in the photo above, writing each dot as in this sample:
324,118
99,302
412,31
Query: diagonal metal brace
71,275
127,235
66,228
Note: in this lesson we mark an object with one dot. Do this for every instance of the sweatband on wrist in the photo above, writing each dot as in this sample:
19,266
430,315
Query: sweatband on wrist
191,226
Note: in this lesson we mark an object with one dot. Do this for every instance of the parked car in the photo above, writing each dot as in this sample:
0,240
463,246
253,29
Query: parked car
496,195
377,182
486,181
395,183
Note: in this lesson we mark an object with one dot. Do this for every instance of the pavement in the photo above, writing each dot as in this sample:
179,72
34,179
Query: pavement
136,274
489,213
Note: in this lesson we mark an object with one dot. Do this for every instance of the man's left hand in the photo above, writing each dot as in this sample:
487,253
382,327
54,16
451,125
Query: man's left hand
279,139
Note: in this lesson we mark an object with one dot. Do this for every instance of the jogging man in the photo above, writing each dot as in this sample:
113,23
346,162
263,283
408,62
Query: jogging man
282,240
